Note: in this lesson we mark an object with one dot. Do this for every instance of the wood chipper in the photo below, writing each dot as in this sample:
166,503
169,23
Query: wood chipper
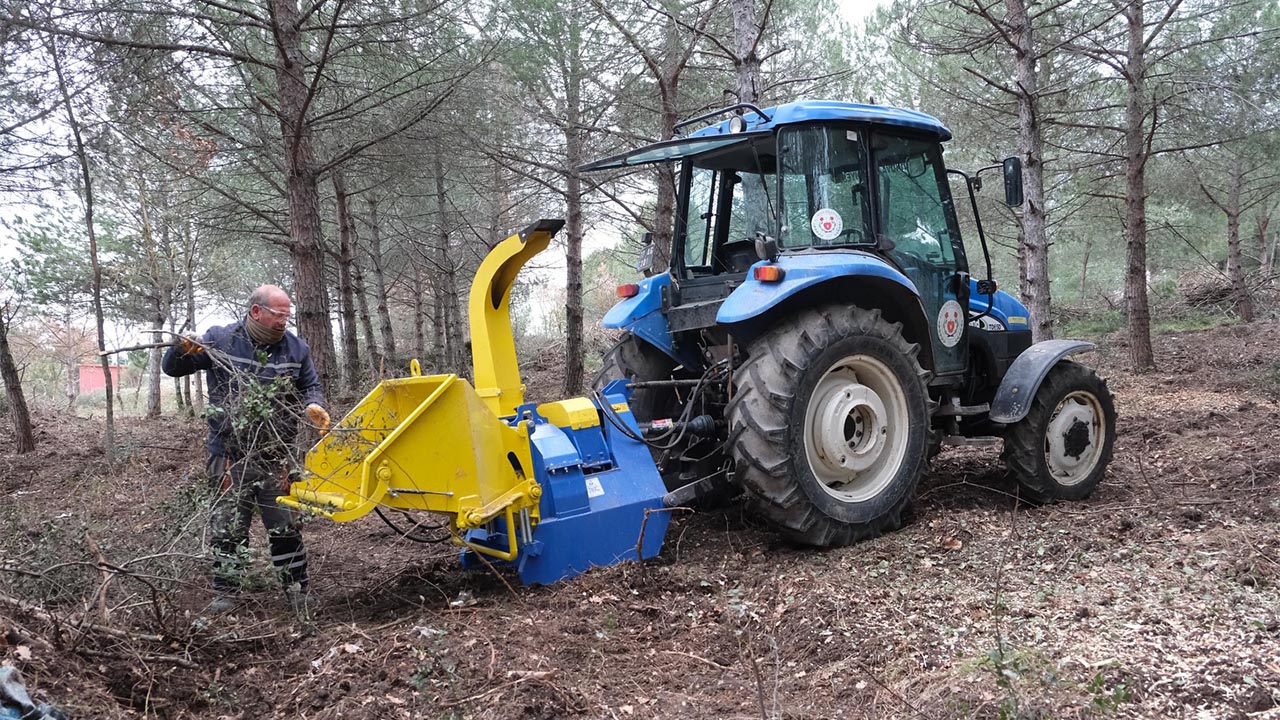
553,489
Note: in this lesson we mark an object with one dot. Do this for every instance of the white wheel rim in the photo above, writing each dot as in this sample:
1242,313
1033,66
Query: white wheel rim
855,428
1073,438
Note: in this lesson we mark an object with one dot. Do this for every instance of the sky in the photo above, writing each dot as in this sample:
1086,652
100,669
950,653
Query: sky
855,10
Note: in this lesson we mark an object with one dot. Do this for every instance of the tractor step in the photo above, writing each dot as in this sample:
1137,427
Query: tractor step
963,410
976,441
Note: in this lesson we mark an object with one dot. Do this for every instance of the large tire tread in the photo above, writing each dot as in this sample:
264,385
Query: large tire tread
758,431
1024,442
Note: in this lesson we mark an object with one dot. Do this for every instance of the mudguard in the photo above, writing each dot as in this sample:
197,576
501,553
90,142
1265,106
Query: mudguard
642,315
1013,400
753,298
1004,308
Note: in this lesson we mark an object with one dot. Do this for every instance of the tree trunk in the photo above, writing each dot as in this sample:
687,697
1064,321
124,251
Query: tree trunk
380,286
109,442
1235,258
306,247
573,139
153,368
453,359
1141,354
668,86
746,62
439,357
1266,249
419,314
1031,147
25,440
1084,267
366,321
346,293
195,397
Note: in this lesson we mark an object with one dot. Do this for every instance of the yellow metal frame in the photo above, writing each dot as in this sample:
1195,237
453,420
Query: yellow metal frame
493,347
434,443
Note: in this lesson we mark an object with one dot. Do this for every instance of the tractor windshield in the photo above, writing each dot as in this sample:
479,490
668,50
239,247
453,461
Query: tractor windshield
825,200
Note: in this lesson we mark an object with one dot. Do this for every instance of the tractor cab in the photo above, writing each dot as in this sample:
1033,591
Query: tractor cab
853,194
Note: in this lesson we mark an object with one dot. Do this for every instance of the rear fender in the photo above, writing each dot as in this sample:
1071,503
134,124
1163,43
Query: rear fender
1013,399
810,280
642,316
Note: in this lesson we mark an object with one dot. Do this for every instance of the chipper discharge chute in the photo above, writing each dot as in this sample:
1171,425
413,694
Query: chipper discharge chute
553,489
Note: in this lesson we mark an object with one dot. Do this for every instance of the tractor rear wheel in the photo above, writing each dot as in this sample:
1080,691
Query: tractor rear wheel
1060,450
828,425
636,360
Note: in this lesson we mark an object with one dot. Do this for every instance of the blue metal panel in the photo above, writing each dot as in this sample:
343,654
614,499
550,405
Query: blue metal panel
1011,313
819,110
642,315
804,270
589,517
647,301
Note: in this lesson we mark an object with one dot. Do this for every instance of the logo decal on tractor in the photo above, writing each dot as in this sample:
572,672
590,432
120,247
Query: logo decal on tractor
826,224
950,323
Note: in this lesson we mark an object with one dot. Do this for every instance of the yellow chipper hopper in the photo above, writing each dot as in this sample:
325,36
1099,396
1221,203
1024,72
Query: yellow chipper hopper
553,489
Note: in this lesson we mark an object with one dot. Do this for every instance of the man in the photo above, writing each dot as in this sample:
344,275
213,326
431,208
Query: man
259,375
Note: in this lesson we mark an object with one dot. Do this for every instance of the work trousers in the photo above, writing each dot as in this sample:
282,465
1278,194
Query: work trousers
242,487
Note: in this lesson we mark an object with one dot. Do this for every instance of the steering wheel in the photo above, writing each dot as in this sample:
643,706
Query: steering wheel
857,234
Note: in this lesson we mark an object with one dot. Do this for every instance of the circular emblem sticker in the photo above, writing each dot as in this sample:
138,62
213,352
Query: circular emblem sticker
826,224
950,323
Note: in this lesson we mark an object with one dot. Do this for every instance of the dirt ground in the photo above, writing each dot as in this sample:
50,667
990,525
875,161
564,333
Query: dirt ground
1157,598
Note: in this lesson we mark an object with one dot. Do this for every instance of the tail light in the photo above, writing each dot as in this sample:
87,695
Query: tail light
628,290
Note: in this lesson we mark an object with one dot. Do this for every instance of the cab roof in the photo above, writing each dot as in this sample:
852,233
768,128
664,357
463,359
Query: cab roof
718,136
819,110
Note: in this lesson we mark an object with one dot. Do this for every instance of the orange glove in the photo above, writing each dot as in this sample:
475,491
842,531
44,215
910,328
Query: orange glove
190,346
318,417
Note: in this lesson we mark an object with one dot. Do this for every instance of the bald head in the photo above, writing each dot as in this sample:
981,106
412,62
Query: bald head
271,306
266,294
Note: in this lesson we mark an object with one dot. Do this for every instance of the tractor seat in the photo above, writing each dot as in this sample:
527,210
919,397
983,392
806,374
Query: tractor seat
737,256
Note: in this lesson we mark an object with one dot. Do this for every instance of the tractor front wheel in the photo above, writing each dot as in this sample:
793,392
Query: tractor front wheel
1060,450
828,425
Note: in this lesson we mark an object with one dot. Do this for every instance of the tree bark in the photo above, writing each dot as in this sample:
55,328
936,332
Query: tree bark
746,62
195,398
573,138
25,440
109,443
1141,354
1031,147
1084,266
419,314
366,321
346,293
306,246
380,286
1235,258
1266,249
451,332
157,308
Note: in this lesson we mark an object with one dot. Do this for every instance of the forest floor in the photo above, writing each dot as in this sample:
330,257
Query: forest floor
1159,597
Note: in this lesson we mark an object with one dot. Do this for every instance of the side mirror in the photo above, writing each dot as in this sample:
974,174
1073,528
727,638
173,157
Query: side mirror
644,264
1013,181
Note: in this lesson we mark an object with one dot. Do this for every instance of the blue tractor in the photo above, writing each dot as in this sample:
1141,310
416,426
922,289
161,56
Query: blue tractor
818,335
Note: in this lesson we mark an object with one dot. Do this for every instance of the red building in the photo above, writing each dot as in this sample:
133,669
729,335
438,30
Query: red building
91,377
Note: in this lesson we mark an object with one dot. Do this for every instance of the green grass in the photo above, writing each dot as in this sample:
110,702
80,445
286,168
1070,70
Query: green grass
1191,321
1095,324
1109,321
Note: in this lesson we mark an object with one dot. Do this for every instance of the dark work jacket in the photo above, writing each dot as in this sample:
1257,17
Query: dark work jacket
232,360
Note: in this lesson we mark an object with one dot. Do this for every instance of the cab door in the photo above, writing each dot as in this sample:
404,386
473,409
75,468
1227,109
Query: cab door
916,221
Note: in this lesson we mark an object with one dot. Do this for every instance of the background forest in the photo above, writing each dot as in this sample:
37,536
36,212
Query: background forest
161,159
